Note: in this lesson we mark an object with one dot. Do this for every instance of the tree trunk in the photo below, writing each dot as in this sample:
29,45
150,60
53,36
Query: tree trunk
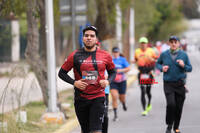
32,50
102,20
41,4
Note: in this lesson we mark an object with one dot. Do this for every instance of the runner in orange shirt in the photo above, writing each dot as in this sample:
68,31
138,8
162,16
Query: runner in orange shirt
145,59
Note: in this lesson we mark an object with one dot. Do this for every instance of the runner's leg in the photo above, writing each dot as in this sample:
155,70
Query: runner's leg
105,121
97,110
170,98
122,94
115,95
180,98
143,100
148,91
82,113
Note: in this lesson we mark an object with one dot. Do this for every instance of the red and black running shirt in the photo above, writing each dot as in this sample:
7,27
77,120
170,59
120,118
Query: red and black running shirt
90,66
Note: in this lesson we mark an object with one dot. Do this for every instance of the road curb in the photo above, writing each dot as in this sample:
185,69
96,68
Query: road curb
68,127
72,124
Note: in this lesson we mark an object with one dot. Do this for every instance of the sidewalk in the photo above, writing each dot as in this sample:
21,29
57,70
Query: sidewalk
72,124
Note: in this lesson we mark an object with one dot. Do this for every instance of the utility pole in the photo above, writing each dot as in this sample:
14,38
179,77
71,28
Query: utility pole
52,101
132,34
119,27
15,51
52,115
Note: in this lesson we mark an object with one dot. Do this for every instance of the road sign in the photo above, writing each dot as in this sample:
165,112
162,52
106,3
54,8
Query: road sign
65,6
80,19
73,12
80,6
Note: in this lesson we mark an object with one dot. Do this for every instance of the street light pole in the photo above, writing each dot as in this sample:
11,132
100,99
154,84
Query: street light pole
52,115
119,27
52,101
132,34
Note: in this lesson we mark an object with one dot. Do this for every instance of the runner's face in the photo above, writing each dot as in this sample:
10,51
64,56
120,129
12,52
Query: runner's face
89,39
144,45
174,44
116,54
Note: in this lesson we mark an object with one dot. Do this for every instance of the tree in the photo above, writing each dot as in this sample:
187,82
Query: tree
125,6
32,50
31,8
105,18
42,30
190,8
157,19
36,45
170,20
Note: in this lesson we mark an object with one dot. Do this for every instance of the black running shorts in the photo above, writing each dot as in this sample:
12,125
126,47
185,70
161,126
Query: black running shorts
121,87
90,113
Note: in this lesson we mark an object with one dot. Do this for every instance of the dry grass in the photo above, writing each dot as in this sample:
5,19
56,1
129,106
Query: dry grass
34,112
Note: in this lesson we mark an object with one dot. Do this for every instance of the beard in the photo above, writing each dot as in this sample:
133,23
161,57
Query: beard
89,47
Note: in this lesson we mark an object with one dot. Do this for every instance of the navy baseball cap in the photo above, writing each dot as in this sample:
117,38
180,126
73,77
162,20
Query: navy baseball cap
93,28
174,38
115,49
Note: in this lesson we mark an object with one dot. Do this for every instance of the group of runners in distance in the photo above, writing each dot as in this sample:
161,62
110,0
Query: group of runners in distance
97,73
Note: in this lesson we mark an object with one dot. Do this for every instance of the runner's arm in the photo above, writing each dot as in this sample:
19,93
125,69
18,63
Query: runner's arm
63,74
188,66
66,67
111,75
124,69
126,66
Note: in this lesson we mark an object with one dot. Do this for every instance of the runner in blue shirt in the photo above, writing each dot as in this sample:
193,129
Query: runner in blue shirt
118,86
174,63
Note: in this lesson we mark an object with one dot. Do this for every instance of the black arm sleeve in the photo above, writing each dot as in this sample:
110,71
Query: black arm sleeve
111,75
64,76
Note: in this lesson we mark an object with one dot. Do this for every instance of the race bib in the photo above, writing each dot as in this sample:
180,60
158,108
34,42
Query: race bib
90,76
119,77
144,76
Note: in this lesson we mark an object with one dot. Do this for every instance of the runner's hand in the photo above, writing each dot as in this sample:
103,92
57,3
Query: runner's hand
181,63
165,68
80,84
119,70
103,83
